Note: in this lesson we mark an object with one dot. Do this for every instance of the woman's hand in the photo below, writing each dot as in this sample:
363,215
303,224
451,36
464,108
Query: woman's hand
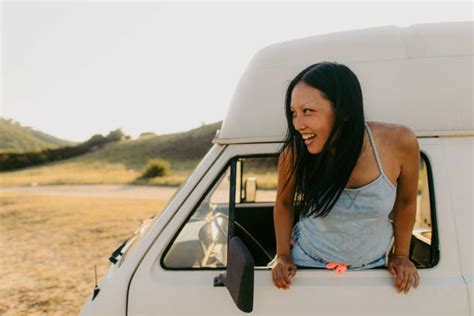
283,271
404,272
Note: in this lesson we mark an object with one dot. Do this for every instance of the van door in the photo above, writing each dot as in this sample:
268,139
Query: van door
177,274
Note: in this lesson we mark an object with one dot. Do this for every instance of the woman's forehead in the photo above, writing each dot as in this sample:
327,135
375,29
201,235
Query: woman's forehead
306,97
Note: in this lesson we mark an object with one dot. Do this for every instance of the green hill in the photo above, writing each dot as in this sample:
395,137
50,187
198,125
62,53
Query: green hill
183,150
123,161
17,138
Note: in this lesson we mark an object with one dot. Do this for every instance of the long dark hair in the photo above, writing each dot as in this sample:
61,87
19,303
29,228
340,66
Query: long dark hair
320,178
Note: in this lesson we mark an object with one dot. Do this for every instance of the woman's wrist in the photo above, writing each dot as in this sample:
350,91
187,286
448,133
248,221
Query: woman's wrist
400,255
283,258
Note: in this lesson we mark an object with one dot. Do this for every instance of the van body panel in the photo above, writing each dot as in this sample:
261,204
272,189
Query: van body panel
442,289
459,153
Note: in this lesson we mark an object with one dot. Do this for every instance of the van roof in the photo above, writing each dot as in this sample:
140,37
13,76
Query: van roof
418,76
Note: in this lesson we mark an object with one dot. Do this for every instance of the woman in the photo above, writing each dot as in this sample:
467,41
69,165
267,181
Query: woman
342,180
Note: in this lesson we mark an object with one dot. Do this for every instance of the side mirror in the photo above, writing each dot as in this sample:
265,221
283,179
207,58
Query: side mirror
250,189
239,278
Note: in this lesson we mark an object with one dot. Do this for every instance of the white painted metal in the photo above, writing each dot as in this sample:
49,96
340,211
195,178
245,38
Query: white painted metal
418,76
442,290
459,155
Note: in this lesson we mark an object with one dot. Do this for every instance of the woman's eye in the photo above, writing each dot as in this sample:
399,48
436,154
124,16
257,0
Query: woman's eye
307,111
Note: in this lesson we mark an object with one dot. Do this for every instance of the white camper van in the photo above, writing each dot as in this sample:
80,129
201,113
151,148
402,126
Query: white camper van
208,250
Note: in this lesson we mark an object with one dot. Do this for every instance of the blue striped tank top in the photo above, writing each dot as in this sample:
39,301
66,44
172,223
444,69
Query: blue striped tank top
357,231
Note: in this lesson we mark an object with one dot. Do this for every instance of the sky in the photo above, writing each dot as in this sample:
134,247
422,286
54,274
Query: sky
75,69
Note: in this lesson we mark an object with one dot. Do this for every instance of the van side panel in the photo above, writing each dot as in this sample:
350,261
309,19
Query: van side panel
459,153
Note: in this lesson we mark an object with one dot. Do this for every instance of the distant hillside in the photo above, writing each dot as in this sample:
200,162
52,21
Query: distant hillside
17,138
187,148
123,161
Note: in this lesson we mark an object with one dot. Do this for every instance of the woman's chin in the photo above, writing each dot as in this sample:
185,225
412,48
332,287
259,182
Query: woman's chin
313,150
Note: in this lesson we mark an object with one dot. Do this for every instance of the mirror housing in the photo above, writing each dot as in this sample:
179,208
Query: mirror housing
250,189
239,278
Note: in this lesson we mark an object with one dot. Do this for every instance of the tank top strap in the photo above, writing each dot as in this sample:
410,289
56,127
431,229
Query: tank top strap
374,148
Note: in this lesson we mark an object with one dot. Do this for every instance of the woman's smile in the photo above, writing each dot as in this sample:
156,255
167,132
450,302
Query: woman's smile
309,138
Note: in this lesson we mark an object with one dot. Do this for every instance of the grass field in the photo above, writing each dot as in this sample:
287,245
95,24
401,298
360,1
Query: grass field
85,172
97,172
50,244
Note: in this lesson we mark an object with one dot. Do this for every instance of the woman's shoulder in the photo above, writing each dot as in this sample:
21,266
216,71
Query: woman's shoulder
397,136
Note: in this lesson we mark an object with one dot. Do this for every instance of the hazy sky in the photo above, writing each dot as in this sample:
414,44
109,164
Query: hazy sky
74,69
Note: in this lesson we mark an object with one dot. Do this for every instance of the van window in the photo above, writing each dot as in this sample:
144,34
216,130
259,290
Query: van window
424,250
202,243
254,218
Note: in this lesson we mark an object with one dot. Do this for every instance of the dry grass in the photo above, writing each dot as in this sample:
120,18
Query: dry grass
50,244
79,172
70,173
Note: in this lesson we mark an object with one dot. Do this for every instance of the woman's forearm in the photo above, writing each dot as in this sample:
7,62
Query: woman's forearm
283,220
403,222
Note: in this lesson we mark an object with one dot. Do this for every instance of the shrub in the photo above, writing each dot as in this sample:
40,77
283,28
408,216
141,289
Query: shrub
156,168
115,135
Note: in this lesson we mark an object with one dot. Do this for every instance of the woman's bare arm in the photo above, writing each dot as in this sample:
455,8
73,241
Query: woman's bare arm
404,212
283,211
283,270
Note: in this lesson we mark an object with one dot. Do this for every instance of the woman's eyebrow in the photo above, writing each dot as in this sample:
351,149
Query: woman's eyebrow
304,103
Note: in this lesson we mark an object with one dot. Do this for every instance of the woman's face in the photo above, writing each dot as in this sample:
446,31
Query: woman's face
312,115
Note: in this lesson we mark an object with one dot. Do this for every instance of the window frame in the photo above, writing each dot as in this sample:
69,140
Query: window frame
434,250
232,165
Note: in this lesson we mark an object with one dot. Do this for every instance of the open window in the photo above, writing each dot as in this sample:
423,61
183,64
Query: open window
424,249
201,243
240,203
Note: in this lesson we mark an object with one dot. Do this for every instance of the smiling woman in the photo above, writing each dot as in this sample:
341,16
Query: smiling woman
332,182
326,100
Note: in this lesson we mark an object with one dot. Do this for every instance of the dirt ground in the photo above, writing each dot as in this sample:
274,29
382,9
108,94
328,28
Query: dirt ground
51,238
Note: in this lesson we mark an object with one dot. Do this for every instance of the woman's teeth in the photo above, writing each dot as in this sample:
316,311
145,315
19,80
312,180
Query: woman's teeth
308,139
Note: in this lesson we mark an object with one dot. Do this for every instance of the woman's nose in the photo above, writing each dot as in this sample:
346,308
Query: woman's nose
298,124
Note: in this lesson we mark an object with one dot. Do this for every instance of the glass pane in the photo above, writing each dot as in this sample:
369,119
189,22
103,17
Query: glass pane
202,243
422,226
421,252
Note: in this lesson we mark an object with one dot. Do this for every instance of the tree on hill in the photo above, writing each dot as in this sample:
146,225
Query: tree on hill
12,160
116,135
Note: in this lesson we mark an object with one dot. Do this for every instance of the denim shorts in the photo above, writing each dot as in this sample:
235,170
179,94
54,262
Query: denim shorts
303,259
